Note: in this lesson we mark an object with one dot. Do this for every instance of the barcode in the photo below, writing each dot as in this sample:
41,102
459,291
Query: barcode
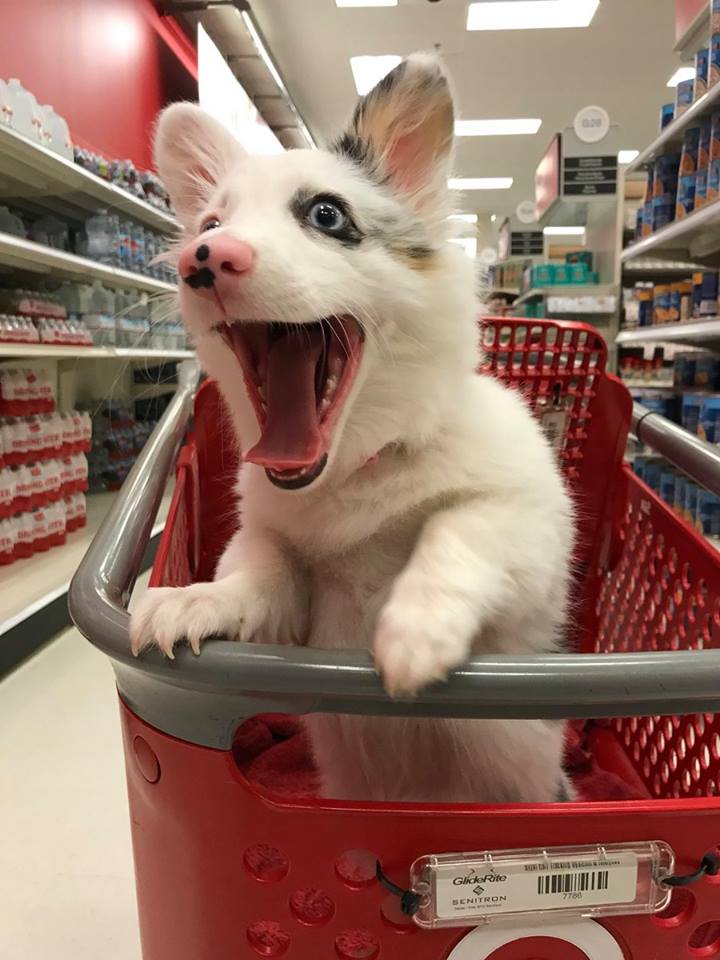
574,882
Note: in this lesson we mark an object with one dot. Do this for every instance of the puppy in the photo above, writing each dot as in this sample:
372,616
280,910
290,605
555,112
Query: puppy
392,499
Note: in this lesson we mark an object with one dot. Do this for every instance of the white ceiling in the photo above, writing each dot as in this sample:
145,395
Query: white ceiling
621,62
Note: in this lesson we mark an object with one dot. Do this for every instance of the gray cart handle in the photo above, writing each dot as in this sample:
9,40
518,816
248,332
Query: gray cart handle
301,680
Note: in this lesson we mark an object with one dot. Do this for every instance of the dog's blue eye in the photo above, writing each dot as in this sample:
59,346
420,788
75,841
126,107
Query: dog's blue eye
327,216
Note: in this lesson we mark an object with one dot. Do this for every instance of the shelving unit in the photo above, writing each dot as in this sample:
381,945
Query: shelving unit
29,171
703,333
697,238
568,290
670,139
38,259
28,586
40,350
638,269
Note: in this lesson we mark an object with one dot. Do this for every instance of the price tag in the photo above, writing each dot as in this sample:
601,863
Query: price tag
466,889
554,422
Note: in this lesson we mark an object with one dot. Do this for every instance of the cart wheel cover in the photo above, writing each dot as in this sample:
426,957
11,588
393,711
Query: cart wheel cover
586,935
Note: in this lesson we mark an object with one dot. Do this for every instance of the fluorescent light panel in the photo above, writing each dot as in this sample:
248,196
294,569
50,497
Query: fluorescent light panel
530,14
496,128
682,73
367,71
564,231
627,156
464,217
480,183
366,3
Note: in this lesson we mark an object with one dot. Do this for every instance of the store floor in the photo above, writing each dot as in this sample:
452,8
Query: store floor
66,874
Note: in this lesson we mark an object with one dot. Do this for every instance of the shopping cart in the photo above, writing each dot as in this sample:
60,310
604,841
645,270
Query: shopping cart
227,872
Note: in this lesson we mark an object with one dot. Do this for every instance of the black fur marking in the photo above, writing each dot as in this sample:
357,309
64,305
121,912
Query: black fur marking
203,278
304,200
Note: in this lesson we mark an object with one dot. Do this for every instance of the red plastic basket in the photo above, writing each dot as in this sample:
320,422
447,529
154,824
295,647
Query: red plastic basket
225,872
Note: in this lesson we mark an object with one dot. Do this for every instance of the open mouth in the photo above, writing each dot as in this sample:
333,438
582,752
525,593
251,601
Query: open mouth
298,377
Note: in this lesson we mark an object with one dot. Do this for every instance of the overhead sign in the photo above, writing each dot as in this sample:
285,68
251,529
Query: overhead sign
592,124
589,176
547,178
526,243
526,211
222,96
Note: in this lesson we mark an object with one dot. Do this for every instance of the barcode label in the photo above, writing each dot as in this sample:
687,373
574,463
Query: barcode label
562,883
535,885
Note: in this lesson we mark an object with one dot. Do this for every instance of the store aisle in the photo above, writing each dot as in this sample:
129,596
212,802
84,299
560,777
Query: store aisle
66,875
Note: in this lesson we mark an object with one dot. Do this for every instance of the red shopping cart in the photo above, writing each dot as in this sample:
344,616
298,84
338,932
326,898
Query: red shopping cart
228,869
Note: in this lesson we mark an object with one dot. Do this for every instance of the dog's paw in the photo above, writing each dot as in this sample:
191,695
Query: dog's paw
167,615
414,646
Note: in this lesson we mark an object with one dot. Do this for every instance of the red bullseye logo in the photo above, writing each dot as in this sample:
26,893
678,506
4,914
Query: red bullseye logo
575,940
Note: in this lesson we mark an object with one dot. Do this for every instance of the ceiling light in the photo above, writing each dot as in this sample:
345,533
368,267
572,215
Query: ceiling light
366,3
530,14
682,73
493,217
564,231
464,217
469,245
368,71
627,156
495,128
480,183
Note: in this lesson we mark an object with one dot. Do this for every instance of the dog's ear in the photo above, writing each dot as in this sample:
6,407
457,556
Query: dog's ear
192,150
402,131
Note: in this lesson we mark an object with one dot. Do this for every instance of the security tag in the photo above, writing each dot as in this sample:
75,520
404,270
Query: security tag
460,890
554,421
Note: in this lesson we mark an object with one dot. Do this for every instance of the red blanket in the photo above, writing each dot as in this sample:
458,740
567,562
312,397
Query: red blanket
273,753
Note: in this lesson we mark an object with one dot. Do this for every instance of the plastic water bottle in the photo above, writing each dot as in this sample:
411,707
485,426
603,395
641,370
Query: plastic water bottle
102,232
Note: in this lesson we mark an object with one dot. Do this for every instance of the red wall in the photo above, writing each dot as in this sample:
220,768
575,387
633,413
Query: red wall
685,13
107,66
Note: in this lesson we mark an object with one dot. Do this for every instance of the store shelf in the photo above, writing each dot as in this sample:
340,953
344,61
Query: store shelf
503,292
658,269
671,138
29,171
568,290
38,350
27,586
648,385
702,333
697,237
36,258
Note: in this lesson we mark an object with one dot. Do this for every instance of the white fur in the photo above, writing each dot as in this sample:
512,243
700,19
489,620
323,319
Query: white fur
456,541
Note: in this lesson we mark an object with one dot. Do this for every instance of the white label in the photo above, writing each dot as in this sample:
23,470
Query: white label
592,124
554,424
534,885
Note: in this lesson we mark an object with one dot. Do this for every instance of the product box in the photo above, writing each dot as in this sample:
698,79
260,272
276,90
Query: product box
702,70
713,189
691,502
578,272
709,422
667,114
652,472
707,371
580,256
687,175
690,411
563,273
714,73
679,499
707,514
543,275
684,369
703,166
647,207
684,94
662,304
667,485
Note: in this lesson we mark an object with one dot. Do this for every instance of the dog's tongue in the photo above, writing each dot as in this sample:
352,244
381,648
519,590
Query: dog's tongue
291,435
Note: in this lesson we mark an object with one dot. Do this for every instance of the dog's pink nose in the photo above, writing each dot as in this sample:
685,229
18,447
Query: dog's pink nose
215,261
